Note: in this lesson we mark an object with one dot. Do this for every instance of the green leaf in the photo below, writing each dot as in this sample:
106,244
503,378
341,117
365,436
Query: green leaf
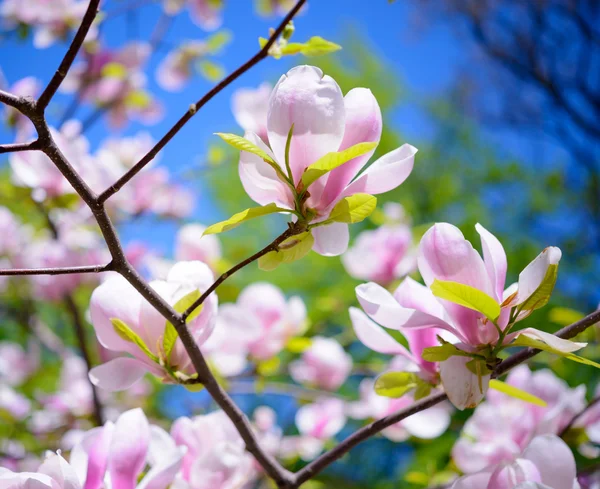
523,340
240,217
564,316
512,391
194,387
242,144
333,160
210,70
353,209
218,41
317,46
423,389
298,344
290,250
542,294
129,335
170,335
441,353
395,384
114,70
138,99
466,296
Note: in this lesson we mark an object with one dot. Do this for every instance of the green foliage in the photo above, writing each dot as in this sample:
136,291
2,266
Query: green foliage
467,296
353,209
243,216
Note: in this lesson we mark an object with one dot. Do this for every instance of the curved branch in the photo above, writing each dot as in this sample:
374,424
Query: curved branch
262,54
16,147
57,271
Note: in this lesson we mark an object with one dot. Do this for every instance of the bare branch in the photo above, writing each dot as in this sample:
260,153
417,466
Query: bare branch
16,147
366,432
57,271
262,54
578,416
67,61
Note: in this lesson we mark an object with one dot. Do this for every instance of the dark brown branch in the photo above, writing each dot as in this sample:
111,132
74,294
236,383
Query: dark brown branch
82,341
366,432
16,147
262,54
578,416
57,271
274,246
67,61
11,100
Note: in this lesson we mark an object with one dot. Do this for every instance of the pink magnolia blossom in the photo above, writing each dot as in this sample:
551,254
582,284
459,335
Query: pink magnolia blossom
13,402
502,426
177,66
25,87
445,255
35,170
10,233
381,255
546,463
216,456
324,121
117,299
258,325
16,364
428,424
275,7
116,81
250,107
324,364
191,244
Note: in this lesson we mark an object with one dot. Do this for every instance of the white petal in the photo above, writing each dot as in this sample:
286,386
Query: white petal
118,374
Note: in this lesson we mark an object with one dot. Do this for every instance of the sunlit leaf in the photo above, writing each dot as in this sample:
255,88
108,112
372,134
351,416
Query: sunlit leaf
512,391
242,144
170,336
466,296
542,294
395,384
218,41
354,208
240,217
114,70
441,353
333,160
126,333
564,316
523,340
290,250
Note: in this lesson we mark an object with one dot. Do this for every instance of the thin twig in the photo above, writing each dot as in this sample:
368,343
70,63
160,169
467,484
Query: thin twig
67,61
82,341
56,271
262,54
578,416
273,246
16,147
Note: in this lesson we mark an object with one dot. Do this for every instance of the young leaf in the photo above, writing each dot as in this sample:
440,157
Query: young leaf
354,208
242,144
298,344
441,353
395,384
542,294
129,335
210,70
523,340
512,391
170,335
240,217
333,160
422,390
292,249
466,296
317,46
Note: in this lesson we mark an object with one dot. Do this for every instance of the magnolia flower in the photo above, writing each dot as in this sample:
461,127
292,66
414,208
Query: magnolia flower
546,463
14,403
10,233
502,426
35,170
125,322
459,282
190,245
324,364
250,107
310,106
381,255
16,364
176,68
216,456
316,423
258,325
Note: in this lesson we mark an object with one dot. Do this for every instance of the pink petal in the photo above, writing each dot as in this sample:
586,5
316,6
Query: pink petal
129,448
118,374
59,469
533,274
315,105
250,106
506,476
554,460
462,386
386,173
115,298
494,258
95,446
363,124
260,180
473,481
374,337
332,239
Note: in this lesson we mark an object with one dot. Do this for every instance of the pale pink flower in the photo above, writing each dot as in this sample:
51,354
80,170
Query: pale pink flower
250,107
16,364
191,244
428,424
117,299
546,463
445,255
10,233
177,67
324,364
324,121
502,426
216,456
13,402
